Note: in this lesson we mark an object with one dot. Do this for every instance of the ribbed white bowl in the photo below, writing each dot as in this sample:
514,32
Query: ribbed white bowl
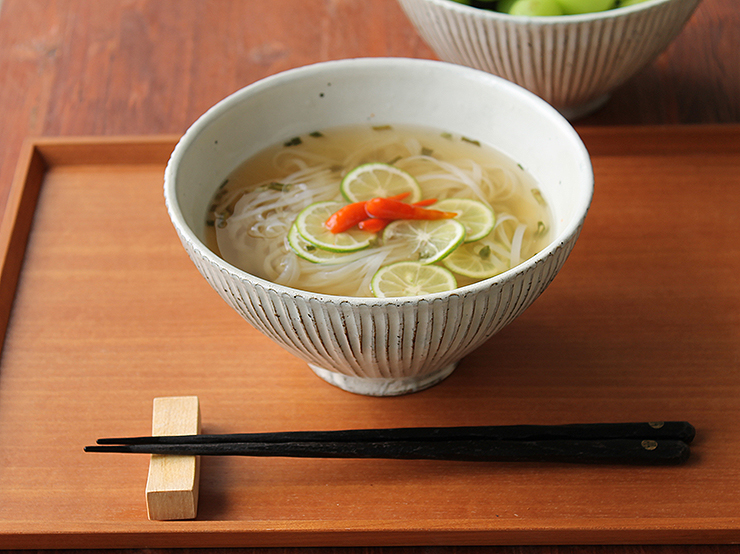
368,345
572,62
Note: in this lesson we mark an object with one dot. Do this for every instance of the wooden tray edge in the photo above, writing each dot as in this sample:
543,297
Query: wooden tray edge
15,226
661,140
333,534
37,156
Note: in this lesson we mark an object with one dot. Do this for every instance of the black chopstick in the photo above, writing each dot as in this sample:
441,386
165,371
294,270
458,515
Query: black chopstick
645,443
645,451
676,430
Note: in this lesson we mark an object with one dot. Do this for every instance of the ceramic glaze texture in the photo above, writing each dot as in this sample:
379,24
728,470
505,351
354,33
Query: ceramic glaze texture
572,62
370,345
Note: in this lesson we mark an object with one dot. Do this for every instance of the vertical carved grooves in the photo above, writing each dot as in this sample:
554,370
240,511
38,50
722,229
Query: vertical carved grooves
568,63
363,338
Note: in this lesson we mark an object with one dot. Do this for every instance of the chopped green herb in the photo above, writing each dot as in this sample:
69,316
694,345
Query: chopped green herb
382,127
471,141
446,135
521,166
485,252
222,185
275,185
316,134
280,187
538,196
310,247
295,141
210,222
426,151
394,160
541,229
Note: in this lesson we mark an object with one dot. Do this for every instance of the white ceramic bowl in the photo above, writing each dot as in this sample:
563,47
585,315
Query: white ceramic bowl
379,346
573,62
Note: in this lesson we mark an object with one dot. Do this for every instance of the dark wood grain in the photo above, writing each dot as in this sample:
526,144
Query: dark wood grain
136,67
77,67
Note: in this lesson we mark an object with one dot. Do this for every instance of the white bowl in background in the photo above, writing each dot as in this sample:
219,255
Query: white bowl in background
573,62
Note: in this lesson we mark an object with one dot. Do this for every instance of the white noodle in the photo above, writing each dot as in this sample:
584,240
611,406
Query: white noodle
516,245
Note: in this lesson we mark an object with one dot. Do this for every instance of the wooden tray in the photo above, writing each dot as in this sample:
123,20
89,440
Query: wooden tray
642,324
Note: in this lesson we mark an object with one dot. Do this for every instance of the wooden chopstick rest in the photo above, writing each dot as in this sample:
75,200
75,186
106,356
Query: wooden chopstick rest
173,481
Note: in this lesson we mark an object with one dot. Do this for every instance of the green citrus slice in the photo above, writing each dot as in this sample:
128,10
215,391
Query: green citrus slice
476,216
310,225
475,259
312,253
430,240
411,279
378,180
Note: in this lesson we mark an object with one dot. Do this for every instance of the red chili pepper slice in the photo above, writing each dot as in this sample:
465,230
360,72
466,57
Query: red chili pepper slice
373,224
376,224
385,208
352,214
346,217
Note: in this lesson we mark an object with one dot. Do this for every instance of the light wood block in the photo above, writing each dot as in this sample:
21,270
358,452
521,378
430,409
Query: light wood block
172,485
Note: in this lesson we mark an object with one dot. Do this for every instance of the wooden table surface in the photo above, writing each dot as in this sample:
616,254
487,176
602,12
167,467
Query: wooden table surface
141,67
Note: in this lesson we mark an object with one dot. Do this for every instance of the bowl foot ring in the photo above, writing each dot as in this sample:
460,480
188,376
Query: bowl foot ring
383,386
574,113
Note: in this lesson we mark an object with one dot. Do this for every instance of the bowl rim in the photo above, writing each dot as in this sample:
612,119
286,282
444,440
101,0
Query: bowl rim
614,13
202,122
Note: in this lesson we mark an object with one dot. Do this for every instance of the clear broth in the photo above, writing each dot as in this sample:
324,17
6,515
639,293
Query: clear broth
310,168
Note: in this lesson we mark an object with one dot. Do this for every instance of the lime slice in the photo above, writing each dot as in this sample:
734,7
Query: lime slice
411,279
476,216
312,253
430,240
475,259
378,180
310,225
